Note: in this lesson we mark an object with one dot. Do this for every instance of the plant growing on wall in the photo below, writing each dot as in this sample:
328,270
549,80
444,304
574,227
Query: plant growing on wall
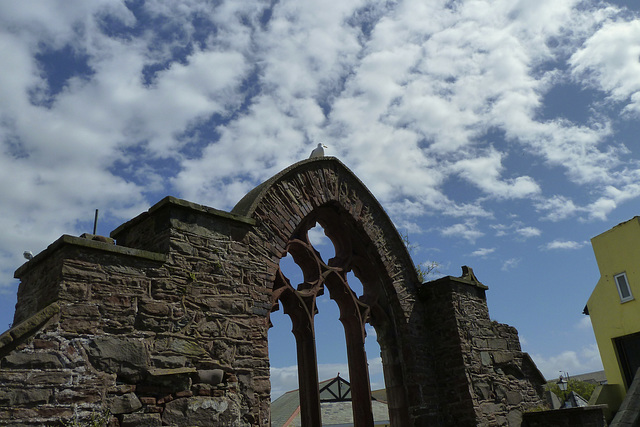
424,269
97,419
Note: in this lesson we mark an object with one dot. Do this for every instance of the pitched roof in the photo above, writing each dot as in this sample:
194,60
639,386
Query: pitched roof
335,406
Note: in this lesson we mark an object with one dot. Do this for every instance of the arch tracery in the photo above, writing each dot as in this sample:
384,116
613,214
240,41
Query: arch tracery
299,303
366,243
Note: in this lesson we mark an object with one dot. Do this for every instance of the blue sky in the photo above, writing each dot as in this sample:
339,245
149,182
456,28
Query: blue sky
497,134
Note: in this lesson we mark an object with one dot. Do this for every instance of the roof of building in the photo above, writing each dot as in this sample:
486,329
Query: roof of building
597,377
335,406
574,400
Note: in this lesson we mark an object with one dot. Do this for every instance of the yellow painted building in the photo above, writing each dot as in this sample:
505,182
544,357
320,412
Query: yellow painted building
614,305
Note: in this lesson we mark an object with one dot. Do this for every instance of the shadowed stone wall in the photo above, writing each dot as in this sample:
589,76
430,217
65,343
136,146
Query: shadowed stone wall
485,378
169,325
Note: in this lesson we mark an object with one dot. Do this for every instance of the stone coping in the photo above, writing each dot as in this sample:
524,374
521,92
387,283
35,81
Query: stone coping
27,326
248,203
467,278
66,240
174,201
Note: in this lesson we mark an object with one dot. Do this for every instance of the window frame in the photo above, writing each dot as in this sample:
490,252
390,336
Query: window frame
626,280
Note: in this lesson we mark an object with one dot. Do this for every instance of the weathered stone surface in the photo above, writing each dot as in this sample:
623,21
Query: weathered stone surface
31,361
124,404
141,420
210,376
514,397
514,418
169,361
170,380
78,396
35,396
187,348
27,326
56,378
127,358
202,411
5,339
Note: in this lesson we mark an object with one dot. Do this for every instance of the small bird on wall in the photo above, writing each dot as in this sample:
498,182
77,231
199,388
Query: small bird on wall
318,151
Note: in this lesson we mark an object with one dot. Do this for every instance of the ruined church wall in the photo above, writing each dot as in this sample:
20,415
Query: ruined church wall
169,326
178,337
486,378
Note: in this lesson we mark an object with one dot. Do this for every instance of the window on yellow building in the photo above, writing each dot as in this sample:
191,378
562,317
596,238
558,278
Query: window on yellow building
623,287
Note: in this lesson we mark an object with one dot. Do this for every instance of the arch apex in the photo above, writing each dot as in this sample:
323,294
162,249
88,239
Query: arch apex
247,205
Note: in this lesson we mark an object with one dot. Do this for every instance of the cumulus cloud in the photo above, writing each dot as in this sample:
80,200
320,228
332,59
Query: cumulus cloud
483,252
556,208
584,323
466,230
609,60
510,264
483,171
527,232
205,100
581,361
565,244
285,379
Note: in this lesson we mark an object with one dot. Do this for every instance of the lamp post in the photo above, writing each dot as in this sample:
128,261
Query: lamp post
563,381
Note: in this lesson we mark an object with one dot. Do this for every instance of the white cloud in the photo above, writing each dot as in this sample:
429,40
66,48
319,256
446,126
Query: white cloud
575,362
557,208
484,172
527,232
465,230
565,244
510,264
483,252
318,238
584,323
285,379
413,96
609,60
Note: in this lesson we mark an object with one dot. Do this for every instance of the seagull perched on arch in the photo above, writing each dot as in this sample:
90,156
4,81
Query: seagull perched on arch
318,151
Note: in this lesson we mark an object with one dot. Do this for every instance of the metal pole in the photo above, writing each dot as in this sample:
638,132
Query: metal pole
95,223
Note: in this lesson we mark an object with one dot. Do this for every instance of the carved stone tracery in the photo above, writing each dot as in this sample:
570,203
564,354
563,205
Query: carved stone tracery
299,303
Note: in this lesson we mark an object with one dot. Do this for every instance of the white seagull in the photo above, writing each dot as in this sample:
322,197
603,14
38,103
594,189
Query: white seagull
318,151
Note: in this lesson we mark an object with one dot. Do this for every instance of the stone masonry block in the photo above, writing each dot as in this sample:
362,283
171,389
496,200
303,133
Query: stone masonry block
32,361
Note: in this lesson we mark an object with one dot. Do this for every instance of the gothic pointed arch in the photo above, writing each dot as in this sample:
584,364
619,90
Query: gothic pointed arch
325,191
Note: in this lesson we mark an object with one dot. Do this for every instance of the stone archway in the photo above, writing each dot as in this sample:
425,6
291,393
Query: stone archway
324,191
188,291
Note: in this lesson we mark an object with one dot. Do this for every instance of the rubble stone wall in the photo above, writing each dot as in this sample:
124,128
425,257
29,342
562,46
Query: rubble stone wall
173,338
486,378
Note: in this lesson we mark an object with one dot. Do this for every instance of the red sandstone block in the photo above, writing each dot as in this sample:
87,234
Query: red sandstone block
45,344
122,389
148,400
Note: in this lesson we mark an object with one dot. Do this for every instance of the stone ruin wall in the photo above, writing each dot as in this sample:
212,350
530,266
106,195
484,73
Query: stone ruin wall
169,327
177,337
481,359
